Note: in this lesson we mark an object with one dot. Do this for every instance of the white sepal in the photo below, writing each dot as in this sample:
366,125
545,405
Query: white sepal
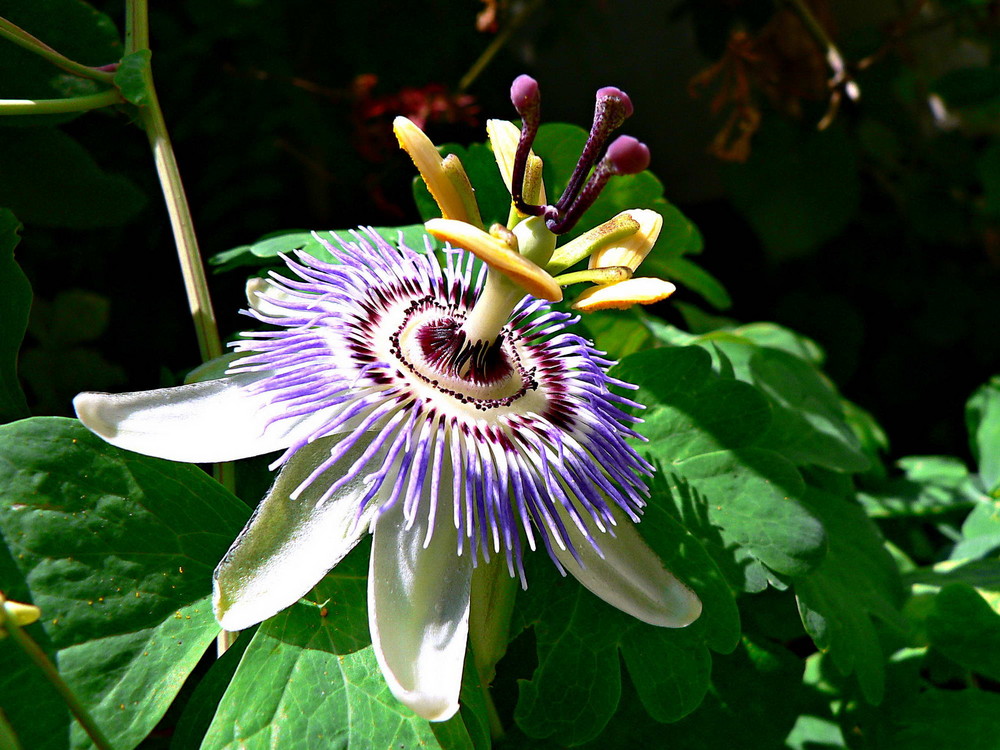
289,545
630,576
211,421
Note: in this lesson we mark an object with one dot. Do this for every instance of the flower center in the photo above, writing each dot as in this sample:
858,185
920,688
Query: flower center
432,348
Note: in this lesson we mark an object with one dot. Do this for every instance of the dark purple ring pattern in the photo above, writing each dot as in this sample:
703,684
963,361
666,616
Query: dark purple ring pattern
526,428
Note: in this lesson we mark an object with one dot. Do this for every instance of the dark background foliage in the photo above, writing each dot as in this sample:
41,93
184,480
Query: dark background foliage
871,224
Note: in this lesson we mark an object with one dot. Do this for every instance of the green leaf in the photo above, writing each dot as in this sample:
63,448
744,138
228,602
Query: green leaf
964,627
980,532
618,332
134,77
739,710
947,720
809,425
309,677
799,188
272,245
774,336
856,582
982,575
982,415
15,302
576,688
48,179
8,739
691,276
201,706
702,431
931,485
117,550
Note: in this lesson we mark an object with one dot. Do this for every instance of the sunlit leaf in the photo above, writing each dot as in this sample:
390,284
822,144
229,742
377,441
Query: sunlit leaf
982,415
702,431
576,688
269,248
857,582
309,677
117,550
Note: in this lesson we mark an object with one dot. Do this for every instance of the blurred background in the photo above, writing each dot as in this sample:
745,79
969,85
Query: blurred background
841,160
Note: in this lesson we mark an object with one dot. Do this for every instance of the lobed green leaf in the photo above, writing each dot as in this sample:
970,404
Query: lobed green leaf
857,582
117,550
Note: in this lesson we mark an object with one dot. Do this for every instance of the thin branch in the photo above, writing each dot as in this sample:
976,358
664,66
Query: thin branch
841,81
47,668
496,45
188,253
60,106
22,38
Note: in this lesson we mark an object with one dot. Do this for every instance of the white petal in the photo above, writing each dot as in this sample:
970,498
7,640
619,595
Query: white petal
216,420
631,576
289,545
418,610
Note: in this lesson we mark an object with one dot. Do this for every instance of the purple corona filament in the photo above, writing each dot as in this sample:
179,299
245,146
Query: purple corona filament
522,428
625,155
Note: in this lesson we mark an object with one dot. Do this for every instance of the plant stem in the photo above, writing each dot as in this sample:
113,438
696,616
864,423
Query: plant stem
492,604
841,78
496,726
22,38
188,253
192,269
59,106
47,668
136,26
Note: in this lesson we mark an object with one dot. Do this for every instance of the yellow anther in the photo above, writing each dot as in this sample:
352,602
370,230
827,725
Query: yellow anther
640,291
498,256
633,249
445,178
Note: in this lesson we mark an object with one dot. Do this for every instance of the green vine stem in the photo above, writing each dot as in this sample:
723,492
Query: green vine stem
492,605
47,668
60,106
151,116
22,38
188,253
